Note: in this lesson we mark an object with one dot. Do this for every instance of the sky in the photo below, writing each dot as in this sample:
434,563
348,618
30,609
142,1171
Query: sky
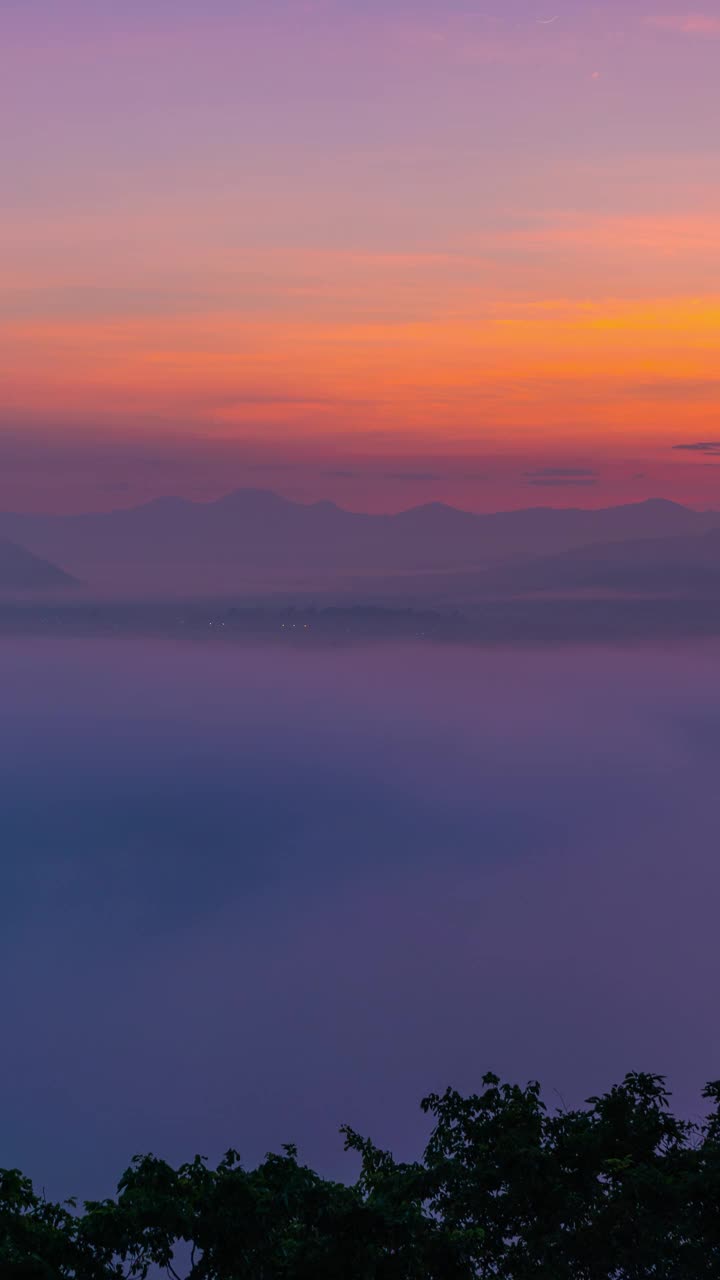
378,252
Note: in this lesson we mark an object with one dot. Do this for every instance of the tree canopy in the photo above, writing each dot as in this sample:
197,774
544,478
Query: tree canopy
620,1189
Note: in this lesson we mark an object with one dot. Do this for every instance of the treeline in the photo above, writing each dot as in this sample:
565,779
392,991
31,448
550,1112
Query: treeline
621,1189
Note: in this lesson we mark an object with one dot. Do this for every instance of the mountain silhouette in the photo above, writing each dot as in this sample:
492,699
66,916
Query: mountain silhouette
659,566
20,570
253,536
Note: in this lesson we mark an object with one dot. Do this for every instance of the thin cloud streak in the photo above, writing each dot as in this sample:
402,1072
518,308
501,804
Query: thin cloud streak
693,24
562,473
700,446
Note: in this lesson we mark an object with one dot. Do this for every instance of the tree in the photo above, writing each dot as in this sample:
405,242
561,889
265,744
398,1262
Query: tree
588,1194
280,1221
40,1240
618,1190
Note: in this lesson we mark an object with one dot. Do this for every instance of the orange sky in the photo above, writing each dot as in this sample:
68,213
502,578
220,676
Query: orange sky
492,244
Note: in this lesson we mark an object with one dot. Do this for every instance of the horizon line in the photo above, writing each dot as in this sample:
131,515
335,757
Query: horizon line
161,499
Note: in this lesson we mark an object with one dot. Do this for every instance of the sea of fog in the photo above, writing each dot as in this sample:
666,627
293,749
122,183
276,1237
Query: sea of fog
248,894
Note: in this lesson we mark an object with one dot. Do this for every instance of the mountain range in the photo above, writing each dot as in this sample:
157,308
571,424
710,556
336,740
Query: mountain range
21,571
673,566
254,538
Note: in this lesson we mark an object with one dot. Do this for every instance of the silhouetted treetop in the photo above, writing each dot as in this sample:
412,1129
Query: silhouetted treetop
621,1189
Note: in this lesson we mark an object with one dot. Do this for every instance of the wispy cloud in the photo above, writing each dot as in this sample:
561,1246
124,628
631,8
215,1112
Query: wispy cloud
411,475
711,447
675,389
561,477
271,466
473,39
691,24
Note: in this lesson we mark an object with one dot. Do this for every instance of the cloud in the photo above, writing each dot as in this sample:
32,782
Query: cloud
560,484
412,475
679,389
709,447
692,24
558,477
271,398
372,473
472,39
271,466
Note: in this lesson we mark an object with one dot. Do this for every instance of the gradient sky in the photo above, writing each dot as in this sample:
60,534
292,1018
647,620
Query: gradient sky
381,252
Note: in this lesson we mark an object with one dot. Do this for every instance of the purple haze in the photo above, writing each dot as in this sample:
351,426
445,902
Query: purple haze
248,895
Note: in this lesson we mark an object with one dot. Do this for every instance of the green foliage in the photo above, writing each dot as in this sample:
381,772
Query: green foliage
618,1190
40,1240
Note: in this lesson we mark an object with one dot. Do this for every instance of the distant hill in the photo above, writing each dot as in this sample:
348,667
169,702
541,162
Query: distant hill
20,570
254,537
652,566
